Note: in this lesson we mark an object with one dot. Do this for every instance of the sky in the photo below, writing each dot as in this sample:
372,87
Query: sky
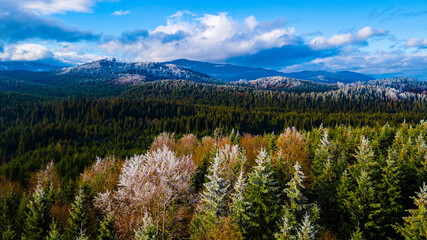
377,37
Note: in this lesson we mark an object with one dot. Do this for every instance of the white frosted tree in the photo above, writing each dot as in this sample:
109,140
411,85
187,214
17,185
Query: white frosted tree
157,182
238,202
306,230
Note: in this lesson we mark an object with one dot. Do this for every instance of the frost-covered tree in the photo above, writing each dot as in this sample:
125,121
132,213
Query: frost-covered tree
263,196
239,204
415,225
212,205
307,229
158,182
297,210
38,216
78,215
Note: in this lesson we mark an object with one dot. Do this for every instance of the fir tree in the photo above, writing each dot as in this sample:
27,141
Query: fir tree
212,204
38,216
415,226
306,230
238,202
262,195
79,211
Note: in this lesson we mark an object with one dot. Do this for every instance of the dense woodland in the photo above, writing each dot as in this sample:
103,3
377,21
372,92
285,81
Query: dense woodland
242,163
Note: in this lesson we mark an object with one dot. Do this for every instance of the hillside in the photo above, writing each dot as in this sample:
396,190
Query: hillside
231,73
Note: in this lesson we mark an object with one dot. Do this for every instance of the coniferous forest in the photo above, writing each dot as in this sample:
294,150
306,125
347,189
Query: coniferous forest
184,160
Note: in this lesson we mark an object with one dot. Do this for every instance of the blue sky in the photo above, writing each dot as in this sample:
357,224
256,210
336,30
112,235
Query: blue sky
381,38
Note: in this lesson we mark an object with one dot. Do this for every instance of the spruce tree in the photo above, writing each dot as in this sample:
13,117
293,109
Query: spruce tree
307,229
212,206
78,220
38,216
415,226
263,197
239,204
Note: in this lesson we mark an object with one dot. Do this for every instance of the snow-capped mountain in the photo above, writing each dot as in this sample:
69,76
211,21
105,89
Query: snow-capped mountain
134,72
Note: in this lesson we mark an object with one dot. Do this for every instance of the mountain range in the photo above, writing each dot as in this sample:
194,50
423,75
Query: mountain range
137,72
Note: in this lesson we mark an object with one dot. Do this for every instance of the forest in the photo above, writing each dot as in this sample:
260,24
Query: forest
184,160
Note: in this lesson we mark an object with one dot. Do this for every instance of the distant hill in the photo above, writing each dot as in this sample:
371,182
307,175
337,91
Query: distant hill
133,73
227,72
286,84
331,77
27,66
231,73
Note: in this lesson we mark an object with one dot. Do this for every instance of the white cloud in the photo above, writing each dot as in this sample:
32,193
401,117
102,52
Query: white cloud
380,62
58,6
210,37
25,52
181,13
339,40
121,13
416,42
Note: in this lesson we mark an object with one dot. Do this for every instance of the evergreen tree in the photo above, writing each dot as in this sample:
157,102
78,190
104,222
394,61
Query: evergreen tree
415,226
306,230
238,203
82,235
38,216
54,233
78,220
389,195
357,235
212,204
106,228
262,195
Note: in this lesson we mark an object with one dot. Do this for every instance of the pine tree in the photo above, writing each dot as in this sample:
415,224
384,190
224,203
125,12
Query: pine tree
79,210
262,195
106,228
38,216
415,226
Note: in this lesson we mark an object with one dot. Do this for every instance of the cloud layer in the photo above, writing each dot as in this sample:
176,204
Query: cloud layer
17,25
210,37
